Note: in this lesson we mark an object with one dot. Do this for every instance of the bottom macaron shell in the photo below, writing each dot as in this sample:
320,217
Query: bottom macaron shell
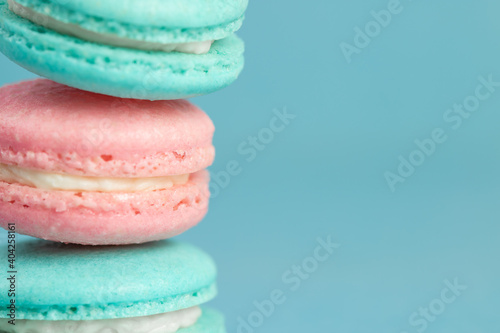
211,321
92,218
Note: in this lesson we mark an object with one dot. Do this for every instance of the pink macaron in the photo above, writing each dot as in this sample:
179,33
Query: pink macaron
79,167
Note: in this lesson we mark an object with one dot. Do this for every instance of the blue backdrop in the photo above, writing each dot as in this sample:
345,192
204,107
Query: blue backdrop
356,185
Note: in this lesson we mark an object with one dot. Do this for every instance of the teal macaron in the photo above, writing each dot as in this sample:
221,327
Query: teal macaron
142,49
56,284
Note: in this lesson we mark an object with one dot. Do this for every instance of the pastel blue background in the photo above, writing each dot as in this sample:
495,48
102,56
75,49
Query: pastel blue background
324,174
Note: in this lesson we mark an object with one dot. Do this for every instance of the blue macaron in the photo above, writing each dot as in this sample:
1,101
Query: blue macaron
55,283
143,49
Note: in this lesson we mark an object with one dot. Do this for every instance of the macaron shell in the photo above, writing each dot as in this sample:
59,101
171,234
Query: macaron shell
93,218
120,72
73,282
176,13
55,128
148,20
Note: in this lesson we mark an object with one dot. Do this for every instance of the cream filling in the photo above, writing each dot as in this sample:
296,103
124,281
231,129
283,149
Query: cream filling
169,322
52,181
104,38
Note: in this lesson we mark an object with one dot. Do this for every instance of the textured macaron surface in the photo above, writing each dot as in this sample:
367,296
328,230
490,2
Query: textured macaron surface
165,21
174,13
55,128
71,282
120,72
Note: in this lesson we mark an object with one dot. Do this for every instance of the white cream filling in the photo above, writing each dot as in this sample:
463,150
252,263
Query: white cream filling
51,181
104,38
169,322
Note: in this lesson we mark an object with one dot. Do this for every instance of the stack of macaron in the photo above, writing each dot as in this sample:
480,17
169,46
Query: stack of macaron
103,161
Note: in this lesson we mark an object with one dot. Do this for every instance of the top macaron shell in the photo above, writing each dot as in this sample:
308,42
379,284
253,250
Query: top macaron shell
72,282
55,128
163,21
